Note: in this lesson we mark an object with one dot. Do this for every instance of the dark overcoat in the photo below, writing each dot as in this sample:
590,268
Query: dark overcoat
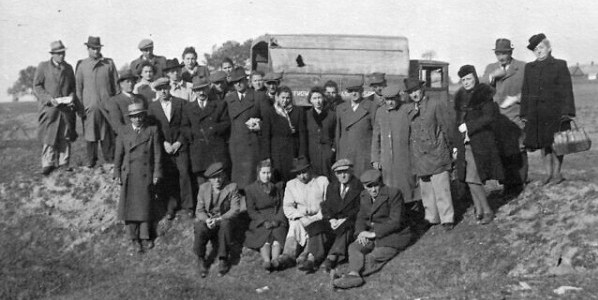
159,63
118,109
354,131
478,111
209,129
281,144
320,141
336,207
56,122
385,217
137,162
546,96
265,206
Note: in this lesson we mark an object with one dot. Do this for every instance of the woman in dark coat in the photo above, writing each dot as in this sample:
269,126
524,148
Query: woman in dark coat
321,122
477,153
283,134
268,226
546,102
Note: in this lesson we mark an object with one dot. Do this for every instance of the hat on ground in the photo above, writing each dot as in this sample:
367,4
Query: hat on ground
199,83
214,169
465,70
273,76
160,82
57,47
413,84
342,164
503,45
218,76
94,42
391,91
377,78
535,40
135,108
238,74
171,64
145,43
370,176
300,164
355,84
126,74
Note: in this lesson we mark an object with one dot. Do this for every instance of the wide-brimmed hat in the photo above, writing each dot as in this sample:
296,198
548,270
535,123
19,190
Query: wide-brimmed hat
171,64
126,74
199,83
391,91
342,164
145,43
94,42
218,76
273,76
300,164
160,82
135,108
370,176
354,84
214,169
377,78
503,45
57,47
237,74
535,40
413,84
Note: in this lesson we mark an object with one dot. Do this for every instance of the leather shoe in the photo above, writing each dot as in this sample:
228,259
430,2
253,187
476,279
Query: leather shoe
448,226
202,269
223,267
348,281
328,265
488,217
267,266
47,170
308,266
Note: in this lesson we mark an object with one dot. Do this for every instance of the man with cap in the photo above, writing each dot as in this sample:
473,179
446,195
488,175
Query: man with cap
209,126
245,114
146,46
219,86
380,229
138,168
339,211
506,77
272,82
167,113
96,81
377,83
218,203
54,87
301,206
178,87
117,105
355,121
431,152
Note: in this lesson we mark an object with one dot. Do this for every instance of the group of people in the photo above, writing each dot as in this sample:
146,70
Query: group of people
342,180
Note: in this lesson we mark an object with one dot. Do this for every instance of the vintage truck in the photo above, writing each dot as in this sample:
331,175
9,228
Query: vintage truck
309,60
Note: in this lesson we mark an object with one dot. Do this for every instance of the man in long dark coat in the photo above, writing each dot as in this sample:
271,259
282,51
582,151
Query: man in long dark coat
54,86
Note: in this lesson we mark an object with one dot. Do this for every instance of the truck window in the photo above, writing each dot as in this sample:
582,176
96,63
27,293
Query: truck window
433,76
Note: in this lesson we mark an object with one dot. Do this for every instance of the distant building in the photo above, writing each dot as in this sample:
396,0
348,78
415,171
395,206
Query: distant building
588,71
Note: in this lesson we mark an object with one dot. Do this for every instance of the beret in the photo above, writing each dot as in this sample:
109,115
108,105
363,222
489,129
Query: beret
214,169
370,176
342,164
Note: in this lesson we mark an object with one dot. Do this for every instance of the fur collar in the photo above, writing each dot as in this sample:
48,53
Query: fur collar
481,94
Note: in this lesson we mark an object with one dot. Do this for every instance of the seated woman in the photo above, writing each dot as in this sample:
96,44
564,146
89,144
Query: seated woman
143,87
268,226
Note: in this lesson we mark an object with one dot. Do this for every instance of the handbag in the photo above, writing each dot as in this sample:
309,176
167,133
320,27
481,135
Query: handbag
571,141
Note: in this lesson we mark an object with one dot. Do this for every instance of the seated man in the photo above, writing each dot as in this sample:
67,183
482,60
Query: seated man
334,232
218,203
301,206
380,228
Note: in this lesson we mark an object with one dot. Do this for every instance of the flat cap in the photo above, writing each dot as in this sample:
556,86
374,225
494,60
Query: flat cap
237,74
126,74
214,169
218,76
145,43
391,91
377,78
355,84
160,82
135,109
370,176
342,164
273,76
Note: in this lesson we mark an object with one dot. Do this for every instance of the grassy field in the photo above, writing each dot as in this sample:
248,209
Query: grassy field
61,240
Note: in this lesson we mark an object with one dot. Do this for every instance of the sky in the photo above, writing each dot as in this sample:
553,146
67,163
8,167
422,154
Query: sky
460,31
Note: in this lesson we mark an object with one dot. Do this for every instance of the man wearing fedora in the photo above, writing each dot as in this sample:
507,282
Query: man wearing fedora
178,87
209,127
146,46
377,84
167,113
117,105
96,81
506,76
54,86
138,168
218,88
218,203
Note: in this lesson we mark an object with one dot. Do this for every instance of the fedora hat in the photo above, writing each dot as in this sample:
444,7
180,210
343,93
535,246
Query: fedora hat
237,74
535,40
199,83
218,76
57,47
377,78
412,84
135,108
94,42
391,91
171,64
355,84
299,164
126,74
503,45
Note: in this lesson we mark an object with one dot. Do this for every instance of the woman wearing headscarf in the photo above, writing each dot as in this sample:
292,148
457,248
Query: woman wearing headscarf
321,122
478,159
546,104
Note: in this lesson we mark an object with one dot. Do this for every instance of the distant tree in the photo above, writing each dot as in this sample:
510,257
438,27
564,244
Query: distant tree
239,53
24,84
429,55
